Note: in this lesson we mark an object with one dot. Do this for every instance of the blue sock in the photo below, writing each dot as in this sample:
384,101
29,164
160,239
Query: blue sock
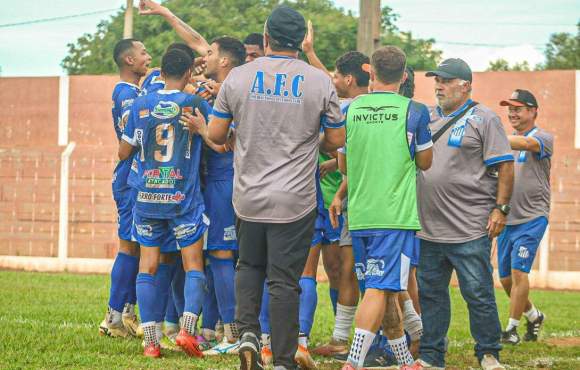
223,279
163,283
178,287
194,291
308,301
171,314
333,298
210,311
123,276
146,296
264,313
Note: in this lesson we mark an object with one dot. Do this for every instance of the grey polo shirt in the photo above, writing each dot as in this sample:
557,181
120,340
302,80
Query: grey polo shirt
458,192
531,195
278,104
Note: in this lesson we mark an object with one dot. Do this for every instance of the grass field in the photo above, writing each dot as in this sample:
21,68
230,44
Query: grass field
50,321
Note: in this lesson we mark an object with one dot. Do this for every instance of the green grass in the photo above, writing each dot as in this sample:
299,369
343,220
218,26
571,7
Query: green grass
49,321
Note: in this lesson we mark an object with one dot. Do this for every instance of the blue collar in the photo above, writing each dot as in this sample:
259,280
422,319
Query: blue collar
279,57
458,111
529,132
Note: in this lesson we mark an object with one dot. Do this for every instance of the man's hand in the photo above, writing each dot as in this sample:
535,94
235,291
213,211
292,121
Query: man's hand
496,223
327,167
196,124
149,7
199,66
308,43
213,87
335,210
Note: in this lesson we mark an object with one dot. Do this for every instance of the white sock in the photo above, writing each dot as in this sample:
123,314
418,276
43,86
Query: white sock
533,314
303,340
265,340
512,323
114,317
401,351
208,334
231,332
150,333
189,322
412,321
362,341
343,321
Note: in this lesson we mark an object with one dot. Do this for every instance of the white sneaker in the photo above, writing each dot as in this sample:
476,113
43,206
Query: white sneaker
489,362
224,348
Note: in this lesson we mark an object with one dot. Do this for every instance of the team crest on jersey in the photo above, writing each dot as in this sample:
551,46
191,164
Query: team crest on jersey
162,177
523,252
165,110
144,230
144,113
359,269
160,198
184,230
375,267
127,103
230,233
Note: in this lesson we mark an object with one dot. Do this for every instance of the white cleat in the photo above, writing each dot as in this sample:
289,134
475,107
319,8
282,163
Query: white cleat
224,348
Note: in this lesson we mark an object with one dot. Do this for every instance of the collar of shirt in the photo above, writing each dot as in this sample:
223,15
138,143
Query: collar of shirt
530,132
458,111
383,92
167,92
279,56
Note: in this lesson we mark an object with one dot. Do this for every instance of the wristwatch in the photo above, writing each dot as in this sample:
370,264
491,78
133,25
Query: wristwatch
504,208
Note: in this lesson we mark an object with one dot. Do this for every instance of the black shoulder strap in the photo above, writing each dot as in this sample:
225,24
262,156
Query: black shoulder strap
452,121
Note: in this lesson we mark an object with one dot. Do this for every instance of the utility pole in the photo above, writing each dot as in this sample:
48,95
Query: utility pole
369,26
128,28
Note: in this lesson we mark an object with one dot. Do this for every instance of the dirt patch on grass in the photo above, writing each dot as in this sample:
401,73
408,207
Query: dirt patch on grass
564,342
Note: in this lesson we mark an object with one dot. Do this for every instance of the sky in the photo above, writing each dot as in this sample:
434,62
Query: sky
478,31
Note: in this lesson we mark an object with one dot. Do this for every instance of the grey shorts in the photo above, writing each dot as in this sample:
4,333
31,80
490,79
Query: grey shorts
345,238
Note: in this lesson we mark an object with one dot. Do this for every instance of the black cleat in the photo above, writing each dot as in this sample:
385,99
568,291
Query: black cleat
249,352
533,328
510,337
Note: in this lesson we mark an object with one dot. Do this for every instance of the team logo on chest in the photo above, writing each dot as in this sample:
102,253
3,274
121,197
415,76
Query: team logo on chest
165,110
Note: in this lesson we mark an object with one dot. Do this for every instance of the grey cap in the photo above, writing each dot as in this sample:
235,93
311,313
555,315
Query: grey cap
452,68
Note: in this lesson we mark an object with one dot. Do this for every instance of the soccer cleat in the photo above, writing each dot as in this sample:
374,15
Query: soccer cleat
112,330
266,355
348,366
303,358
379,360
511,336
151,350
223,348
205,344
188,344
332,348
423,365
131,323
489,362
219,331
249,353
533,328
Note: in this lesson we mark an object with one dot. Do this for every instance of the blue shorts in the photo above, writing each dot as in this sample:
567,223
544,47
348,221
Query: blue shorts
383,257
220,211
416,253
517,246
324,233
125,201
186,229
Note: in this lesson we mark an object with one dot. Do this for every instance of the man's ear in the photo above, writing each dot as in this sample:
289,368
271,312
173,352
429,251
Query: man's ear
405,76
349,80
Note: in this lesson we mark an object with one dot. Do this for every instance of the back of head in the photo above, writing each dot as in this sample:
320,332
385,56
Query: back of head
232,48
122,48
388,64
175,64
255,39
407,88
183,47
351,63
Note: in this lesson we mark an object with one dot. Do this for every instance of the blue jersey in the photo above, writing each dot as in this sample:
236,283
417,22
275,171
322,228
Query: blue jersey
152,82
219,166
418,132
123,96
168,156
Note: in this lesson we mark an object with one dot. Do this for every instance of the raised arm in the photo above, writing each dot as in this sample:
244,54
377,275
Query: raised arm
308,49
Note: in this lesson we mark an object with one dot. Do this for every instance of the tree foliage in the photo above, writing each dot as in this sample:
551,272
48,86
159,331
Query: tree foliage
503,65
335,31
563,51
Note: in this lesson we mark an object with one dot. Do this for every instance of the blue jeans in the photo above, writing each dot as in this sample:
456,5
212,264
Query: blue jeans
471,261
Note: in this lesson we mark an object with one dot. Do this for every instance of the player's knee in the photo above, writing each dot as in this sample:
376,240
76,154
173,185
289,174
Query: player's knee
167,258
130,248
519,276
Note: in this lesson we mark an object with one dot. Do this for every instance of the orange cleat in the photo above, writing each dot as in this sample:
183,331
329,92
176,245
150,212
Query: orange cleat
266,355
151,350
188,344
303,358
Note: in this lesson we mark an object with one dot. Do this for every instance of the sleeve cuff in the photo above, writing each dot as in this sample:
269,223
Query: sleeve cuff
131,141
342,150
542,154
425,146
218,114
327,124
495,160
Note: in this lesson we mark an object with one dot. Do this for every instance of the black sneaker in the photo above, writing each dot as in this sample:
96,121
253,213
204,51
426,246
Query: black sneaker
511,336
533,328
249,352
379,360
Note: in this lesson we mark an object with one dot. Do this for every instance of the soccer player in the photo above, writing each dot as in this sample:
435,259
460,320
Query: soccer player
132,59
528,218
169,199
254,44
384,127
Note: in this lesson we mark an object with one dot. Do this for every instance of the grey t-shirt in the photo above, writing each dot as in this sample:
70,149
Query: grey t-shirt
458,192
531,195
278,104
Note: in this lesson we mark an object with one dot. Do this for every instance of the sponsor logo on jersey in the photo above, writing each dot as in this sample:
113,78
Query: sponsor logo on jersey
378,115
523,252
144,230
165,110
375,267
162,177
127,103
144,113
160,198
184,230
230,233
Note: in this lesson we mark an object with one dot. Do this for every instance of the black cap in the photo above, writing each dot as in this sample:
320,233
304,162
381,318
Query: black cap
520,98
286,26
452,68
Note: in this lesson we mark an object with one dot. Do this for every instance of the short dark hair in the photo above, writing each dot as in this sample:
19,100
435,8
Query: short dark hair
407,88
181,46
351,63
175,63
389,63
121,48
255,39
276,45
234,49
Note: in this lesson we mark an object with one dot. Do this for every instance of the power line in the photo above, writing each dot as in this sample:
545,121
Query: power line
45,20
453,22
485,44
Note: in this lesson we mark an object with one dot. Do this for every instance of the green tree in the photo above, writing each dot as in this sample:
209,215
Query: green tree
563,51
503,65
335,32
